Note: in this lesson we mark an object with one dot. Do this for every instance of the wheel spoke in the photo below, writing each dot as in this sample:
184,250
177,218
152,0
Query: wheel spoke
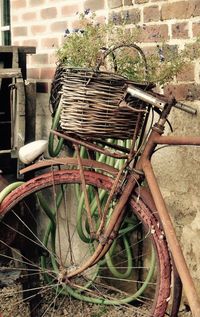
133,277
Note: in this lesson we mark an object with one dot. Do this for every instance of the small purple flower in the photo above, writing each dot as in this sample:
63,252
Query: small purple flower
161,54
114,18
127,15
87,11
67,32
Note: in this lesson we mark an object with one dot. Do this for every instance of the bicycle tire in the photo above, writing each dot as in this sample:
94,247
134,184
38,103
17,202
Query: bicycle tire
88,291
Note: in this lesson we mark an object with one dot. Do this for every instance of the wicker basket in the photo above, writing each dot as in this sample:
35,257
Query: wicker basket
56,88
94,105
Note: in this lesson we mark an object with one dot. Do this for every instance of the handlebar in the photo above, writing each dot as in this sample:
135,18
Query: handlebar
158,102
185,108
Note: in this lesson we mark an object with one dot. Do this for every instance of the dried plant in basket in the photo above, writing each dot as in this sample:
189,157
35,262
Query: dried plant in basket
94,95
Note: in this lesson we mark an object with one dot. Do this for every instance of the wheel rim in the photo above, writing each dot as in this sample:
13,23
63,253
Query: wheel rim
91,286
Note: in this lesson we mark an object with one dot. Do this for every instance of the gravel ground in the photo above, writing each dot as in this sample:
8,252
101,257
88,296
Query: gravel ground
12,305
67,309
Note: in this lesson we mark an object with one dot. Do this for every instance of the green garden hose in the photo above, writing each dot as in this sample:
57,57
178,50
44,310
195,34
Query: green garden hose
53,152
83,227
8,189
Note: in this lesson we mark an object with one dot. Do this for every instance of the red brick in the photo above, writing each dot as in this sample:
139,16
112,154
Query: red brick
47,73
132,16
15,18
53,59
193,50
187,73
49,13
128,2
150,50
141,1
38,29
49,42
70,10
196,29
16,43
151,13
18,4
154,53
29,16
30,42
100,19
183,91
35,3
39,59
112,4
94,5
76,24
180,10
20,31
154,33
180,30
33,73
196,8
59,26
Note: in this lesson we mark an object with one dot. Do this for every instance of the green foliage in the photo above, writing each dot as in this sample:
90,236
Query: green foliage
84,48
81,48
169,67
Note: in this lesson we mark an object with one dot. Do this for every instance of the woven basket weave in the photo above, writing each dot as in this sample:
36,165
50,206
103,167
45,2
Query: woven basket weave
91,105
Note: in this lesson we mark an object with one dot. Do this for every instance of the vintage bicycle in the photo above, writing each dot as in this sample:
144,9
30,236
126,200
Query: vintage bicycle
91,231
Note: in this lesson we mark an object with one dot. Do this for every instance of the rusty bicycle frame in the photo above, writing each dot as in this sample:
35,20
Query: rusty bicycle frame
143,169
145,165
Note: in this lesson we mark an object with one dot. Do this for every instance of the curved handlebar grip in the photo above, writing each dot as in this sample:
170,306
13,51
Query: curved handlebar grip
157,101
185,108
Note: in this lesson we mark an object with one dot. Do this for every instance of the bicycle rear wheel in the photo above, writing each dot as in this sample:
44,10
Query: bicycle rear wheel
45,224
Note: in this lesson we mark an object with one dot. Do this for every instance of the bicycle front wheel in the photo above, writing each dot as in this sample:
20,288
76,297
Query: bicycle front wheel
45,235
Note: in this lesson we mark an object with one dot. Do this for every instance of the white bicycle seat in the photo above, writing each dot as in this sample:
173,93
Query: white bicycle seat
29,152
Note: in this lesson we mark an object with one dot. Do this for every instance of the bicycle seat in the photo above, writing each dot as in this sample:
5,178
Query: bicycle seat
29,152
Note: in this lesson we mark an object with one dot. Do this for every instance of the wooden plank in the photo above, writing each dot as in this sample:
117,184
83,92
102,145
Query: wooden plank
21,49
5,151
30,110
10,73
15,58
27,49
18,118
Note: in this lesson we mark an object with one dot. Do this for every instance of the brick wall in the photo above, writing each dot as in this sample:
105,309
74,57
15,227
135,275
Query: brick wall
40,23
